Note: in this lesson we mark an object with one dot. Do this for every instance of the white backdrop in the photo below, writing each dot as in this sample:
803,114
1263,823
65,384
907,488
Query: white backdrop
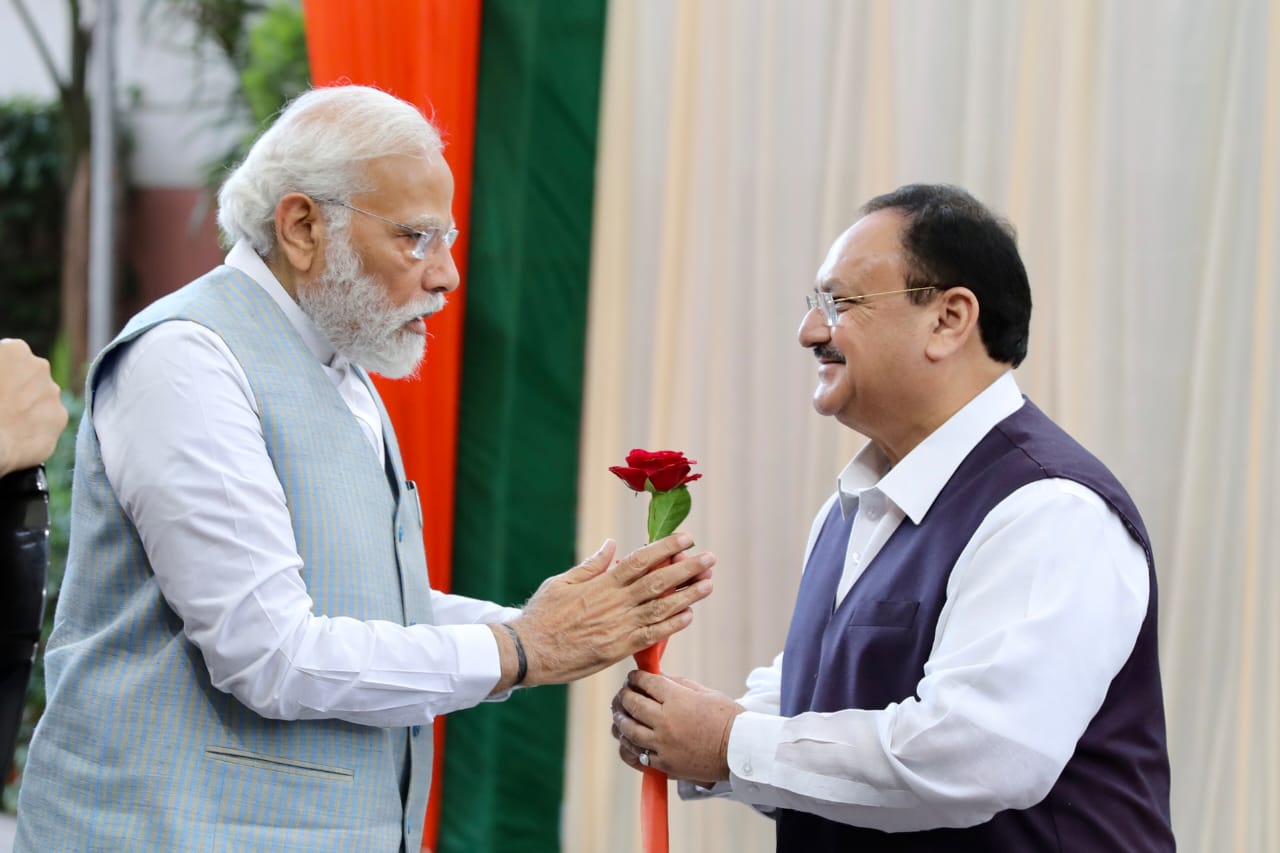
1134,144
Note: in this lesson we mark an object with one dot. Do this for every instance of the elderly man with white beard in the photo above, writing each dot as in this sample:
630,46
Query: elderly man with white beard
247,654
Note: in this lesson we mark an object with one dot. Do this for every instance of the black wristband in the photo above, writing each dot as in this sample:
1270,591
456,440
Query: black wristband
522,662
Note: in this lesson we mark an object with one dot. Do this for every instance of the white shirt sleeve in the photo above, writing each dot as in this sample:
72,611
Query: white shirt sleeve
449,609
1043,608
182,447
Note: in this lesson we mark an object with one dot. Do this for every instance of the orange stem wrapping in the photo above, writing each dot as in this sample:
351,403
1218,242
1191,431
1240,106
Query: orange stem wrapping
654,835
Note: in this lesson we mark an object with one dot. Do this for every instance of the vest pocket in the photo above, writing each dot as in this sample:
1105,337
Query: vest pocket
277,764
885,614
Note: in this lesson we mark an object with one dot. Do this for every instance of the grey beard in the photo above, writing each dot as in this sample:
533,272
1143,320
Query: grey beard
352,310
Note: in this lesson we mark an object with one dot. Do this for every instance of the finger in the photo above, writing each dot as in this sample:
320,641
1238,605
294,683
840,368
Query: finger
642,560
633,730
681,573
615,705
630,757
44,370
642,708
657,631
618,712
594,565
648,684
701,576
661,609
626,747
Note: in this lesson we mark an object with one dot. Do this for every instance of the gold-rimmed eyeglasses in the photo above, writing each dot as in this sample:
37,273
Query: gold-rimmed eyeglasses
425,240
824,300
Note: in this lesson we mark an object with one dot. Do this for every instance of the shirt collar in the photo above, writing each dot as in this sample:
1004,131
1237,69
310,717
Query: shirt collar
244,258
915,482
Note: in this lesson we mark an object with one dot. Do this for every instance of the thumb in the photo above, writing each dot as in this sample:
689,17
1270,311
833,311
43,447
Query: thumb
594,565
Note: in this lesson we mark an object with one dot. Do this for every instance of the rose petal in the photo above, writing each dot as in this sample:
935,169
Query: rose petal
651,460
669,476
633,477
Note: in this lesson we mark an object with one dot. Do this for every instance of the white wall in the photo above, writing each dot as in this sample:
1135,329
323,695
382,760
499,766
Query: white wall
172,98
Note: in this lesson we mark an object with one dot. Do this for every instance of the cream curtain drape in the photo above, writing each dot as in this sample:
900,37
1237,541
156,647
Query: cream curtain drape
1133,143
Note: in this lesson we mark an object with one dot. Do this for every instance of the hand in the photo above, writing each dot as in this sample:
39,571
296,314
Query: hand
31,412
592,616
683,726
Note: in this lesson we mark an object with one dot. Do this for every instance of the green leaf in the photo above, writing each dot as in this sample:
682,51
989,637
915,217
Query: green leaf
667,510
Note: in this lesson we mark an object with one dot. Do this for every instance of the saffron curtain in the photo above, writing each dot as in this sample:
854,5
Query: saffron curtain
425,53
491,431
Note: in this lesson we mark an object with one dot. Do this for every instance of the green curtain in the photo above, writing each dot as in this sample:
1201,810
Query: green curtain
522,375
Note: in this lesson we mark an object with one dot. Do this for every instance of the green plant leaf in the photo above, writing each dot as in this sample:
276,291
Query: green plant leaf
32,175
667,510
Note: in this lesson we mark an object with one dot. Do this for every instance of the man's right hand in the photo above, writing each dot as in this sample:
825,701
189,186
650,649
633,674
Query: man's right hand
592,616
31,412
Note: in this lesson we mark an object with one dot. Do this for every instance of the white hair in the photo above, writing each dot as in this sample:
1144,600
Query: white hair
319,146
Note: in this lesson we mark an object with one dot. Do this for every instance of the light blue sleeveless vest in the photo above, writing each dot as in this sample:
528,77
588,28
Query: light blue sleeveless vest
137,751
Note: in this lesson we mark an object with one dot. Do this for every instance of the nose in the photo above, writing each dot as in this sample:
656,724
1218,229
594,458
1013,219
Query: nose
813,329
441,273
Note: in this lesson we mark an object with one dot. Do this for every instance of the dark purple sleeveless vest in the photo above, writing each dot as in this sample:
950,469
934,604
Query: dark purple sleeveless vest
1113,794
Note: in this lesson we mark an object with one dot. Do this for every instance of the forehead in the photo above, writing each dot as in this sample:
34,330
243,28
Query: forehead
871,247
414,190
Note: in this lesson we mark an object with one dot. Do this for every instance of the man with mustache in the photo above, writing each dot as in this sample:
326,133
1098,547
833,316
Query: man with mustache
246,652
971,663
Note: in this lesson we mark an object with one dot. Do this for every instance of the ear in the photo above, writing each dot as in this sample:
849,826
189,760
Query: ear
955,323
299,231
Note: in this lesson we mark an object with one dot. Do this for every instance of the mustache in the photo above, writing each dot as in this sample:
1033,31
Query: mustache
430,304
824,352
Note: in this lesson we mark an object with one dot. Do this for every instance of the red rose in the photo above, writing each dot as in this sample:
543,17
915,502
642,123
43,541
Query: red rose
664,474
664,469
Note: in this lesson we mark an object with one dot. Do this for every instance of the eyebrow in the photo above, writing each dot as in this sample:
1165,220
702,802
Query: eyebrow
856,280
830,284
424,223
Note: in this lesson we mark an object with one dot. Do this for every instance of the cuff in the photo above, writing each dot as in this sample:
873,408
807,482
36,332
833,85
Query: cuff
694,791
753,745
479,666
